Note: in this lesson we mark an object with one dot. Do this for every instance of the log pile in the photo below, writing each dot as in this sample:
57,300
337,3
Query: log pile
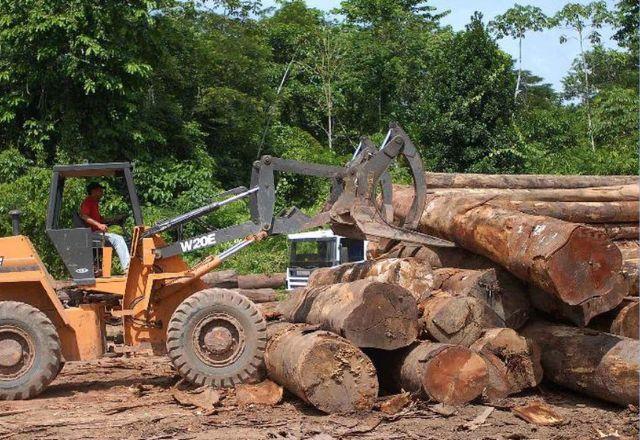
542,283
259,288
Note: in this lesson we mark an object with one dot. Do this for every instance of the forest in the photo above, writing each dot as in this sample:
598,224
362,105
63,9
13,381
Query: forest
193,92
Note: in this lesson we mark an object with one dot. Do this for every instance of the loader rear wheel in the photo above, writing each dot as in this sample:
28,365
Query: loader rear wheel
217,337
29,351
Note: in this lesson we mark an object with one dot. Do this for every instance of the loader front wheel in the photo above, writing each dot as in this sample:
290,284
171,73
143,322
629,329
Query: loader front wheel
217,337
29,351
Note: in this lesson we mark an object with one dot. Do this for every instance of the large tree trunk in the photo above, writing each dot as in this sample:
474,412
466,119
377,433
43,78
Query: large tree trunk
223,278
577,212
619,231
620,193
411,273
368,313
622,321
505,296
595,363
455,319
321,368
575,264
445,373
524,181
513,362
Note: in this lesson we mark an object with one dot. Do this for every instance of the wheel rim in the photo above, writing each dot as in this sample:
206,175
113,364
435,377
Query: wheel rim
219,339
17,352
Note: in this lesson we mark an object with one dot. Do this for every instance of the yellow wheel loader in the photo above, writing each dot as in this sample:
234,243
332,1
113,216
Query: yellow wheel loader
212,336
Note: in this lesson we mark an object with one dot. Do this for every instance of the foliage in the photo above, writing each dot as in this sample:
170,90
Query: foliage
193,92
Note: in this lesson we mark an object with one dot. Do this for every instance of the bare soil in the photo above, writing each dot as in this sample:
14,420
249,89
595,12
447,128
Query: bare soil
133,398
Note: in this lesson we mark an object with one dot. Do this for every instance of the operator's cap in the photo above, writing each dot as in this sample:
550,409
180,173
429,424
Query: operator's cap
93,185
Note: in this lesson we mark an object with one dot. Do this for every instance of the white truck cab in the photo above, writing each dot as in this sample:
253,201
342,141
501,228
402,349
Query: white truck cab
311,250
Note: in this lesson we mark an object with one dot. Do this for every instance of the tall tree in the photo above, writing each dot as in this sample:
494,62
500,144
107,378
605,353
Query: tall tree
585,21
515,23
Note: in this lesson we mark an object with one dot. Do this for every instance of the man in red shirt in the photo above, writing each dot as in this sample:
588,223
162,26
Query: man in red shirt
90,214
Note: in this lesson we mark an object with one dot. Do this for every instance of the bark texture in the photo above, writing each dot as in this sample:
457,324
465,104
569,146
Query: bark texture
231,279
504,297
368,313
575,264
258,295
595,363
513,362
527,181
445,373
576,212
455,319
411,273
321,368
619,231
626,322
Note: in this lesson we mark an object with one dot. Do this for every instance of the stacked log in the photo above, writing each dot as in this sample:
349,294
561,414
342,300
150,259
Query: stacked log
321,368
454,325
258,288
367,313
575,270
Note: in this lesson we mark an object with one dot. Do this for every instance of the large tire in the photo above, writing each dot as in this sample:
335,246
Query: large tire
217,337
29,351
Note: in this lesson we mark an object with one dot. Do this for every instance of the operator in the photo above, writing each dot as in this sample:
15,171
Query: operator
90,214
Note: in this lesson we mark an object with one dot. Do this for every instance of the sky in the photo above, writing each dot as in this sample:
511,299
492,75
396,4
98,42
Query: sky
542,52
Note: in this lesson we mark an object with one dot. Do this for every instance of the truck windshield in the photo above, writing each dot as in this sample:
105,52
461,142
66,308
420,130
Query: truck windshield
313,253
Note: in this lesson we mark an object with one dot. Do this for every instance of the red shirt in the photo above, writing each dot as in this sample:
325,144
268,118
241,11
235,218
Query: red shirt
91,209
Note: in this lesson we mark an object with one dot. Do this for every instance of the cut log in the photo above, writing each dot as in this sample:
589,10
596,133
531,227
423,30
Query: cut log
588,361
630,273
530,181
258,295
626,322
455,319
514,362
321,368
576,212
619,231
622,193
449,374
368,313
573,263
223,278
411,273
262,281
630,249
505,296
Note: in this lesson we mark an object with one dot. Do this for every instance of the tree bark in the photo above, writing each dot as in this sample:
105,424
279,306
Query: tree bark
619,193
523,181
577,212
575,264
368,313
262,281
270,310
455,319
626,322
450,374
514,363
321,368
630,273
630,249
227,279
411,273
595,363
258,295
505,296
619,231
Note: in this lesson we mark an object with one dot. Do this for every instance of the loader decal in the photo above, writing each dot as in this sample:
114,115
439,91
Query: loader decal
198,242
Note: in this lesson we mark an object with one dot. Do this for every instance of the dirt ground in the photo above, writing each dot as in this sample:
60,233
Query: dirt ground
134,399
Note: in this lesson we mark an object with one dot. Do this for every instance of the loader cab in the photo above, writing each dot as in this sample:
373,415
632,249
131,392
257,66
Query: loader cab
82,251
315,249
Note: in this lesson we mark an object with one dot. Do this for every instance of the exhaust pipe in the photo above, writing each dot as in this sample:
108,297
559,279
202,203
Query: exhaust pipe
15,221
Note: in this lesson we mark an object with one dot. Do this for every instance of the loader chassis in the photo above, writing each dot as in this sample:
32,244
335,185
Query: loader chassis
212,336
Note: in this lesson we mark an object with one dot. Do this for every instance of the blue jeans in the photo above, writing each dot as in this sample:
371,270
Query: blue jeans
120,246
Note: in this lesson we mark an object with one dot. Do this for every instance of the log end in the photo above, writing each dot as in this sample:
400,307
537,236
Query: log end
455,376
338,378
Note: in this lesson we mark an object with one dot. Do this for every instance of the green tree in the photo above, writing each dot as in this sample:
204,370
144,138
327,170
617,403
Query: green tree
585,21
515,23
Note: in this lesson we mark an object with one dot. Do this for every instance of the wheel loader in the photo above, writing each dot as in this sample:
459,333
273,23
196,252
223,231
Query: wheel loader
212,336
